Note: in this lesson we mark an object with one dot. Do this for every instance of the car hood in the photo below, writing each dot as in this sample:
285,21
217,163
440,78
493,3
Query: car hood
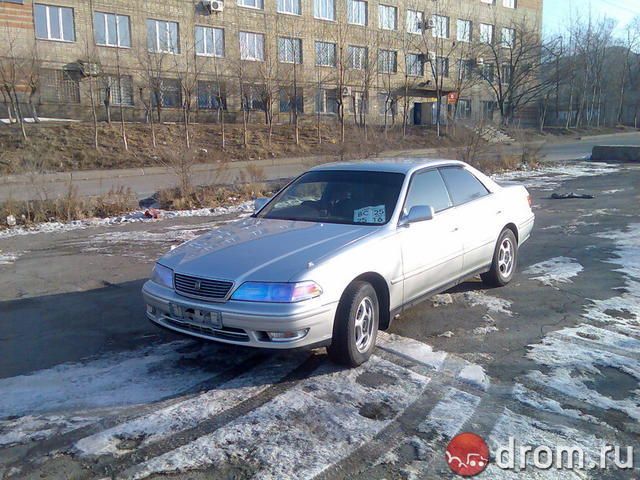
261,249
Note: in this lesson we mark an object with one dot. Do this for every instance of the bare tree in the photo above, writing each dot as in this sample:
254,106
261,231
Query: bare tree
14,64
631,43
514,65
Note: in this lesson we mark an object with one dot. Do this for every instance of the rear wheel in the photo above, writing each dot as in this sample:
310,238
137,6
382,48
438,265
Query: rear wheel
356,325
505,260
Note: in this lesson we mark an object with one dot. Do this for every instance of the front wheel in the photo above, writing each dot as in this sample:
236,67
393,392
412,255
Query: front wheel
505,260
356,325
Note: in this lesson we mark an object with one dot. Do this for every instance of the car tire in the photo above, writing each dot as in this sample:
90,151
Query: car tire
505,260
355,327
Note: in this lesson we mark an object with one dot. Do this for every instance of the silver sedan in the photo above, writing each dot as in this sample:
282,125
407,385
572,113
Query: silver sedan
339,253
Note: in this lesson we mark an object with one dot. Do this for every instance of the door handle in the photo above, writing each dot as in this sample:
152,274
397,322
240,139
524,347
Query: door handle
499,212
455,229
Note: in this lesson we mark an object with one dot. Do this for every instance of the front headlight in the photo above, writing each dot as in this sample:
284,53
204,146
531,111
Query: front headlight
277,292
162,275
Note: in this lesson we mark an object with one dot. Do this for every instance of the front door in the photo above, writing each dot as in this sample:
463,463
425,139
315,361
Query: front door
417,113
432,249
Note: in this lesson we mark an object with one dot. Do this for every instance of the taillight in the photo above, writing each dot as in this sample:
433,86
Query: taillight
530,201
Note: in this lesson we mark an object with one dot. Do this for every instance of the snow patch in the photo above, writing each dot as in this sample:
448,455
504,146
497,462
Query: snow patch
474,375
417,351
137,216
35,429
165,422
555,271
303,431
528,431
450,414
139,376
533,399
492,304
550,177
9,258
571,368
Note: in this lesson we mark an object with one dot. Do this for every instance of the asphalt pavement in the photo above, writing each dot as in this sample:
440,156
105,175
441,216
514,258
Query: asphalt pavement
90,389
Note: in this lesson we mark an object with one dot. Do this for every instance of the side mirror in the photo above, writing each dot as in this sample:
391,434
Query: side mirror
258,203
418,213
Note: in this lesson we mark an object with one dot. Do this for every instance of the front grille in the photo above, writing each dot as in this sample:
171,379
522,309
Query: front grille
225,333
211,289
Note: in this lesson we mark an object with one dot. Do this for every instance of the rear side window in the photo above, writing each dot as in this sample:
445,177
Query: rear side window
427,188
463,186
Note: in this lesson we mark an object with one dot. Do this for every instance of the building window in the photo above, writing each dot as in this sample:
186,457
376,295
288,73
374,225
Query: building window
415,21
488,72
162,37
359,104
290,50
388,17
508,37
415,67
387,61
209,41
54,23
325,54
57,86
326,101
291,100
387,105
252,46
292,7
509,3
211,96
117,92
252,97
357,57
357,12
440,26
464,30
258,4
166,91
465,69
112,30
486,33
324,9
464,108
506,73
442,67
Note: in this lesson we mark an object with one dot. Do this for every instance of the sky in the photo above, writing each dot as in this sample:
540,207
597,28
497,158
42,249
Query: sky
556,12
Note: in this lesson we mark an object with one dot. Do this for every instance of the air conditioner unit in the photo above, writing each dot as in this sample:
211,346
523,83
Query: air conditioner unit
213,5
346,91
89,69
480,61
430,24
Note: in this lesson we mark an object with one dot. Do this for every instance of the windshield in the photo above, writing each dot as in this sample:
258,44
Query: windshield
349,197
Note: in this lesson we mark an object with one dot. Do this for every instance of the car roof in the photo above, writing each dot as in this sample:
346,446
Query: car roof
396,165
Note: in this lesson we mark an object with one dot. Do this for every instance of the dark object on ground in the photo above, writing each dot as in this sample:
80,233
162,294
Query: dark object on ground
564,196
616,153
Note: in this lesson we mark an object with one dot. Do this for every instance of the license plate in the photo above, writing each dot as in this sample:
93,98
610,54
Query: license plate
204,318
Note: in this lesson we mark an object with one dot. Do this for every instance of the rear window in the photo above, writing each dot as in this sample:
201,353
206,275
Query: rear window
463,186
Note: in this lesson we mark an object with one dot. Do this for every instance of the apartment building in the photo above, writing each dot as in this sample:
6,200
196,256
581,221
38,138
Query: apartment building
379,57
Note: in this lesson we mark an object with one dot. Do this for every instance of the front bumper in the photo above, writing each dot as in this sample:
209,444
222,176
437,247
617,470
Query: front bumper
244,323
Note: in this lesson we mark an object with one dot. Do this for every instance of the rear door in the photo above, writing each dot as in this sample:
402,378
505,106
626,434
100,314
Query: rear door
432,249
478,216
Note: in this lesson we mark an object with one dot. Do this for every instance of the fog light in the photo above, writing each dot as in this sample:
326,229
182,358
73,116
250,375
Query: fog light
151,310
287,336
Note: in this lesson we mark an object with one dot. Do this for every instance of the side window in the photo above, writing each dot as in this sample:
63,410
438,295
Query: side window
463,186
427,188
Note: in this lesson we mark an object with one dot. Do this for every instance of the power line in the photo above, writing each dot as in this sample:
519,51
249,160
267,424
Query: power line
621,7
